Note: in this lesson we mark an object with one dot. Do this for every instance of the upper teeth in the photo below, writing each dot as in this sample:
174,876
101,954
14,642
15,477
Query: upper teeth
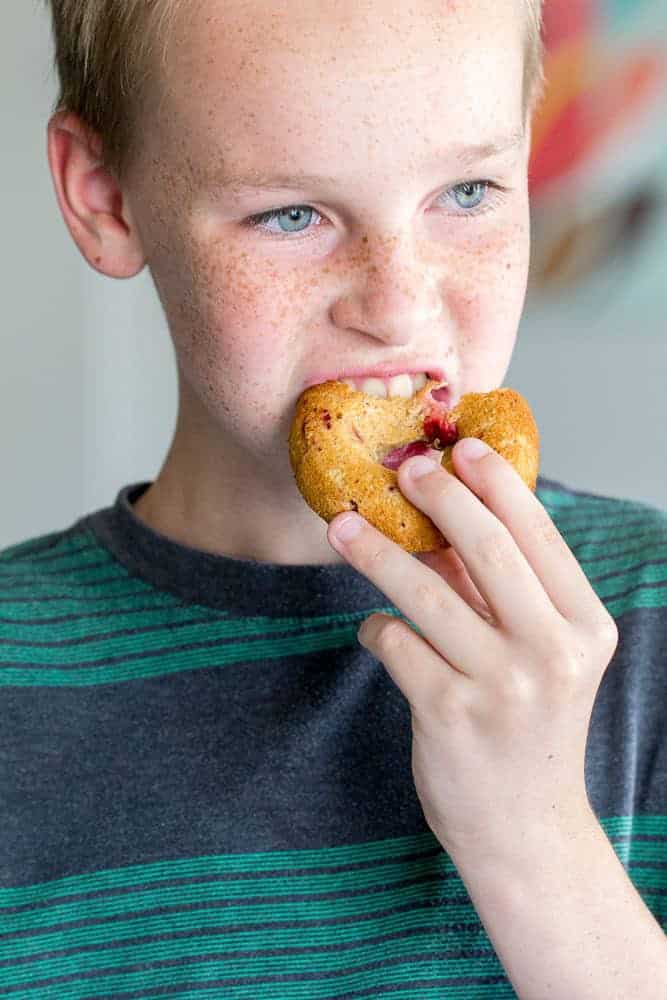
398,385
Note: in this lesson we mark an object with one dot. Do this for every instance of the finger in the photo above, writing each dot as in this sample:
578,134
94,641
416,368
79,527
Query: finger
424,677
496,565
504,493
454,630
447,563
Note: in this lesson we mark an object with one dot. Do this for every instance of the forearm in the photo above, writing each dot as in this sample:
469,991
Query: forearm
566,921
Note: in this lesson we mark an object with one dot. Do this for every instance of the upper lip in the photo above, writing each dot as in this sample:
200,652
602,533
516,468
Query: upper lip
383,370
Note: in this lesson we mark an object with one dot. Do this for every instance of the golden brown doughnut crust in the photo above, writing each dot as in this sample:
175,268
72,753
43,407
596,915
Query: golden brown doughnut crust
339,438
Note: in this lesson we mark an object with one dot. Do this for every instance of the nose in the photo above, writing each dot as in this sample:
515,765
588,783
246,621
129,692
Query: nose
394,297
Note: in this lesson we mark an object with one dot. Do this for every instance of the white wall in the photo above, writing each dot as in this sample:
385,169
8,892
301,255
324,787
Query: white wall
87,377
599,386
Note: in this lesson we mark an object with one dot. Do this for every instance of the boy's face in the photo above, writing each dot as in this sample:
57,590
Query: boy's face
390,258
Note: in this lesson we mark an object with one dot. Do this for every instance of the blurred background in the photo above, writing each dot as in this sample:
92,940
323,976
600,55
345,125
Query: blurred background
88,390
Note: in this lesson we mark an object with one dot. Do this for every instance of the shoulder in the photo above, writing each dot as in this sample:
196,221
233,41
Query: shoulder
34,554
620,544
596,510
44,571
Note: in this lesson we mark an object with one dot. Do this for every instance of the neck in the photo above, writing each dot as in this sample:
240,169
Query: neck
235,506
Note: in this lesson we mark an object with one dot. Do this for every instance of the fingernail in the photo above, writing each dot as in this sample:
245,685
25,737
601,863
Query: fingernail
473,448
348,528
420,466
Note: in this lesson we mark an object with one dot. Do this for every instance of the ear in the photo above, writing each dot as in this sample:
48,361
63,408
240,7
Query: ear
91,202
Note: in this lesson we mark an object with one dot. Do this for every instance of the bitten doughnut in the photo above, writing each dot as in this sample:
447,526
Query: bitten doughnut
345,448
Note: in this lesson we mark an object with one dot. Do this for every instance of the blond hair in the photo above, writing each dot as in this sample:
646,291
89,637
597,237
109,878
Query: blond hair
107,51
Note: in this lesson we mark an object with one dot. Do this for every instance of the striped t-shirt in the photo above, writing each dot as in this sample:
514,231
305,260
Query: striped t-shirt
205,781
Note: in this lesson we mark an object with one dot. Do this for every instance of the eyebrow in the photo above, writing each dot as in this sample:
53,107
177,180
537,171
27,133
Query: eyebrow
256,180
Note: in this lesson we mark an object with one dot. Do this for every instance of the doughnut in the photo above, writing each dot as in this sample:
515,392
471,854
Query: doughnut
345,448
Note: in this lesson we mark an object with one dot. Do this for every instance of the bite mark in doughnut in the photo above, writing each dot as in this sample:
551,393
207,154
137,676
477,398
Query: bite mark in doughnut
345,448
438,432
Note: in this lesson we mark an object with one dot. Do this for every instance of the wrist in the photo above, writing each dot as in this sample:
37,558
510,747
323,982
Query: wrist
519,852
564,918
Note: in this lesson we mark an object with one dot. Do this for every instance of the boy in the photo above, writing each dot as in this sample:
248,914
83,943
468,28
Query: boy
211,789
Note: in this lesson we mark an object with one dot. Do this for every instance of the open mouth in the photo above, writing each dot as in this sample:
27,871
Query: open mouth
403,386
422,401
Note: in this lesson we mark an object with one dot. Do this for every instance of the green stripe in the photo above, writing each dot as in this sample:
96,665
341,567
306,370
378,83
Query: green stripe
606,584
237,890
626,561
169,661
320,949
198,634
489,991
307,932
77,576
634,551
88,628
639,598
258,861
43,545
641,530
417,849
558,500
311,989
622,580
640,547
95,563
116,586
634,566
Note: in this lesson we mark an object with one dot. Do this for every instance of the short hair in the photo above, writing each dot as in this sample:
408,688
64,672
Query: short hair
106,56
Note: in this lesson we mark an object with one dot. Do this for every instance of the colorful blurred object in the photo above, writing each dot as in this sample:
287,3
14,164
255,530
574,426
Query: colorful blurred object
599,158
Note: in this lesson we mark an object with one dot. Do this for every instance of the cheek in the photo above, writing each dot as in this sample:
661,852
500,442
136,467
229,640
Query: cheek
229,311
486,290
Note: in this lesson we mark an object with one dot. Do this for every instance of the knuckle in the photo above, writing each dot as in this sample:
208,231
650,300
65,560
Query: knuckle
451,710
566,669
392,638
448,707
606,633
515,686
543,528
430,599
496,549
375,560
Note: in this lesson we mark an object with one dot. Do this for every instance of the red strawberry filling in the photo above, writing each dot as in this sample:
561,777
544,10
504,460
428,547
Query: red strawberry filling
396,457
439,433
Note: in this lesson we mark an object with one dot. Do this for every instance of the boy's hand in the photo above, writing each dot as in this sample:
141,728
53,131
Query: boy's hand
515,644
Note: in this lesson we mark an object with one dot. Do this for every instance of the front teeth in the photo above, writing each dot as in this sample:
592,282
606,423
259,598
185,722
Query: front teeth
399,385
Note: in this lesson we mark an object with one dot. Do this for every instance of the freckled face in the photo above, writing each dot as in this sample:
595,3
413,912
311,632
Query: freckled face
402,251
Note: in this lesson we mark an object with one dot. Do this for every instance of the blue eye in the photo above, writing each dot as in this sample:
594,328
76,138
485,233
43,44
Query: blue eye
289,219
470,197
470,194
293,216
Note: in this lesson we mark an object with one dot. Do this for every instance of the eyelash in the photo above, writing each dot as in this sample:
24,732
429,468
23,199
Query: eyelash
258,221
